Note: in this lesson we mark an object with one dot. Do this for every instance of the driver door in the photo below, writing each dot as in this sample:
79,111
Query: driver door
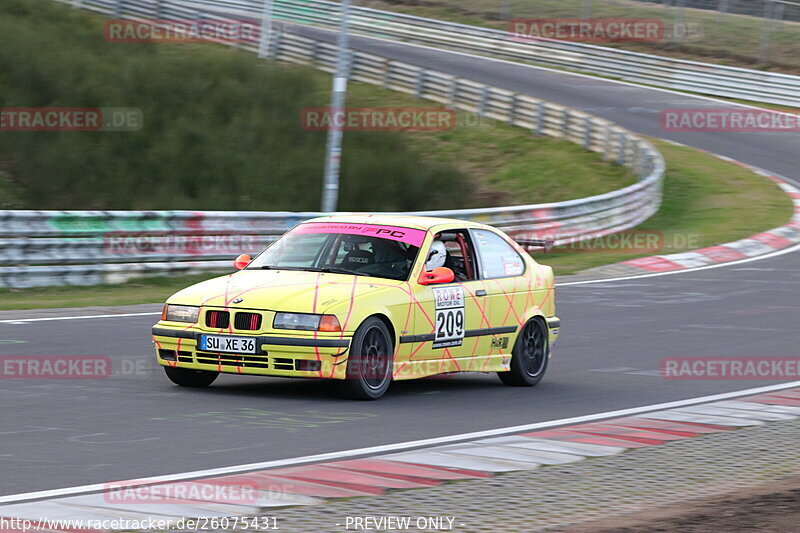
452,315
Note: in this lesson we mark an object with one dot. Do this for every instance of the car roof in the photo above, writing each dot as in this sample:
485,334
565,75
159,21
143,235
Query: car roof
406,221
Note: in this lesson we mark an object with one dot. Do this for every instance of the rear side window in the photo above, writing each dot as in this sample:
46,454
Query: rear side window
498,258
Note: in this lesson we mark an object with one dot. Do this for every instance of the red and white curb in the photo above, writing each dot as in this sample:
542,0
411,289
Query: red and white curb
310,484
761,244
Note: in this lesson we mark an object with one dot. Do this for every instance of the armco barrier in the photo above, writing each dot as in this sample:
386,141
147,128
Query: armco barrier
705,78
39,248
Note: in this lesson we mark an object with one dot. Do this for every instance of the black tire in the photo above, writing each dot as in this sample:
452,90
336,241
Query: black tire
529,356
369,366
186,377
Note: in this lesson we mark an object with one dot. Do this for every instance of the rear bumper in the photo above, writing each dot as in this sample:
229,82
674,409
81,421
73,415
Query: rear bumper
286,356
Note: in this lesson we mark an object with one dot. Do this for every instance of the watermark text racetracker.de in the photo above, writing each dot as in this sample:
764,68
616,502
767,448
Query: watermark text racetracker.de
147,492
623,242
730,368
378,119
151,523
71,119
728,120
50,367
601,30
182,31
134,244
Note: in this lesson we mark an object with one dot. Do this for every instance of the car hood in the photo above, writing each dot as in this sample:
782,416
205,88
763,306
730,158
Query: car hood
280,290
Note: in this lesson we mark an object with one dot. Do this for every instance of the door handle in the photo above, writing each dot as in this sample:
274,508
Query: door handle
480,292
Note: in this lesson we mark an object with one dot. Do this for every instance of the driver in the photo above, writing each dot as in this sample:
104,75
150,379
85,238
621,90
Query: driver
437,256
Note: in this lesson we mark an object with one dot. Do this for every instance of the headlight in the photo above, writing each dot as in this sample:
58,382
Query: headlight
180,313
307,322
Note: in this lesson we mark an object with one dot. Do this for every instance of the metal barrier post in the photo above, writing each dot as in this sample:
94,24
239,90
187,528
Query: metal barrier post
266,28
512,111
420,89
387,73
587,133
484,98
766,33
537,129
453,92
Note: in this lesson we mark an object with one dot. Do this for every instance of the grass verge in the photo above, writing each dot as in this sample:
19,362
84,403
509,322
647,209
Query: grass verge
226,133
707,201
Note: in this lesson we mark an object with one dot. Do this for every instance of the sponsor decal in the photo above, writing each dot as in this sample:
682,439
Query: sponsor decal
449,318
411,236
513,266
500,343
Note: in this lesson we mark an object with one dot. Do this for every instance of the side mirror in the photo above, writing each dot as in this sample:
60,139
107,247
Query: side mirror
241,261
437,275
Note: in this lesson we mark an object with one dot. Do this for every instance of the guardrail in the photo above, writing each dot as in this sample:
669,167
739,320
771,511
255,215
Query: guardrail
684,75
40,248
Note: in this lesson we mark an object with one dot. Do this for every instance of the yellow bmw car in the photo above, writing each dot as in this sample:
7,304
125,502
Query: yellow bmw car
365,300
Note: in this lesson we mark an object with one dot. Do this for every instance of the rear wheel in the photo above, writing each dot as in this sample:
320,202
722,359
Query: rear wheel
186,377
529,357
369,367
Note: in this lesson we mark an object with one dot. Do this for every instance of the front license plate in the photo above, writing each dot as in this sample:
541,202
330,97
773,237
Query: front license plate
225,343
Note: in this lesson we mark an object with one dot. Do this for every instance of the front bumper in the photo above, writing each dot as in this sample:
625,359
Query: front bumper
553,325
276,355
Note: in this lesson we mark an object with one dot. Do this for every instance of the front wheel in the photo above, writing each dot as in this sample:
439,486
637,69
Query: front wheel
369,367
529,357
186,377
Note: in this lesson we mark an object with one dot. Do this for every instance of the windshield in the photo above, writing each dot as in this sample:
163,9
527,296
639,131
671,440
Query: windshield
358,249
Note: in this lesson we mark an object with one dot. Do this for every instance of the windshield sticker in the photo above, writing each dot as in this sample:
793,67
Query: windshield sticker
414,237
512,266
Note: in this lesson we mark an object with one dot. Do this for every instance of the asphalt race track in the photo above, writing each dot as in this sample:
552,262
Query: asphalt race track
633,107
136,424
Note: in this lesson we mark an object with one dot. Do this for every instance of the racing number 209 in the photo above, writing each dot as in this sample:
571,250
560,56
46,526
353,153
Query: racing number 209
450,324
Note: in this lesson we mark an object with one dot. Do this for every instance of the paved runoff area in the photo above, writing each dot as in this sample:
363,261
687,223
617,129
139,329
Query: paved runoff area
541,480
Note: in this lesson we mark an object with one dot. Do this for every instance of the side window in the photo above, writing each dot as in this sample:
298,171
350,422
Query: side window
498,258
460,257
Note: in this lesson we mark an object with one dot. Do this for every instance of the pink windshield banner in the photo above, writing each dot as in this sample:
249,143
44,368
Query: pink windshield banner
414,237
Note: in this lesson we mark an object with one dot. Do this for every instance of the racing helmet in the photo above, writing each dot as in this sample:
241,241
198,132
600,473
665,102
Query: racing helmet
437,256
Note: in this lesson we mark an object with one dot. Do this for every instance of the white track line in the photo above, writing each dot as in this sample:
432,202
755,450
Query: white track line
685,270
78,317
402,446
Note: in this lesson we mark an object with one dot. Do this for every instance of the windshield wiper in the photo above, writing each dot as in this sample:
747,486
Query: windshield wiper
324,270
336,270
